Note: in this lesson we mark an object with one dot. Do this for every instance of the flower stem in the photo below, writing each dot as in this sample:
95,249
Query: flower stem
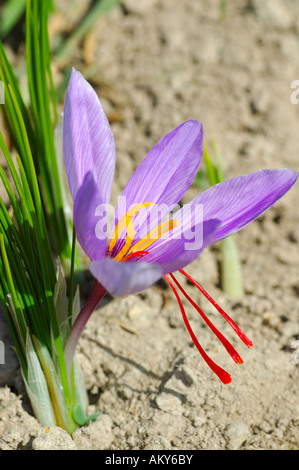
231,268
72,273
97,294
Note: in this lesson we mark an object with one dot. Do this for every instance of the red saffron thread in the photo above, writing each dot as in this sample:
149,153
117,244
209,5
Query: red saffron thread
221,373
133,255
228,346
235,327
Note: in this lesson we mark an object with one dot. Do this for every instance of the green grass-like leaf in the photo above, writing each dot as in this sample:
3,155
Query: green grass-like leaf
34,229
99,8
10,15
37,124
231,270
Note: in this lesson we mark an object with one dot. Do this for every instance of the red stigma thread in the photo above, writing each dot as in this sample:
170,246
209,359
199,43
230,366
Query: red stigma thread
235,327
230,349
137,254
221,373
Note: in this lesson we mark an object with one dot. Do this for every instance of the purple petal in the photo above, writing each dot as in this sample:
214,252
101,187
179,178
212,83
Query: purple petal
238,201
88,143
167,171
187,241
90,219
125,278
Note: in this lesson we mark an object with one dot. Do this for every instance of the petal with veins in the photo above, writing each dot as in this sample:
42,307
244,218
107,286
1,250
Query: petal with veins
165,174
238,201
88,143
86,220
125,278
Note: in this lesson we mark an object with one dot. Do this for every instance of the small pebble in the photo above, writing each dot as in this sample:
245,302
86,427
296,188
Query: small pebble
235,434
169,403
53,438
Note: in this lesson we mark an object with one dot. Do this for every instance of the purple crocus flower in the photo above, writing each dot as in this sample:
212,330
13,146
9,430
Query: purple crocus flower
141,248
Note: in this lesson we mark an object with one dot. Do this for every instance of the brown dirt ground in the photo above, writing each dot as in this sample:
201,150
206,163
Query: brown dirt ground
155,64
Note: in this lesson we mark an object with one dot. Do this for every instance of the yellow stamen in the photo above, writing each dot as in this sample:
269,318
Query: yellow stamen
154,235
128,242
126,222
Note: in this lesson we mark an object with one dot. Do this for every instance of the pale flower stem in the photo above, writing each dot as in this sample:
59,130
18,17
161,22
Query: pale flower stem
97,294
231,268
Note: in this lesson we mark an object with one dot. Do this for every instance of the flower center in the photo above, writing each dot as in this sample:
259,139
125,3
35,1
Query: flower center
126,222
138,249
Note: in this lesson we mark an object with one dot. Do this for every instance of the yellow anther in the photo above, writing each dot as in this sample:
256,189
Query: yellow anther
126,222
128,242
154,235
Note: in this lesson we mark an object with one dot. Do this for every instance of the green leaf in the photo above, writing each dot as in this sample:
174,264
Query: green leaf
10,15
80,394
61,305
37,388
200,180
44,117
76,305
231,269
66,200
60,404
79,415
211,169
81,418
99,8
13,298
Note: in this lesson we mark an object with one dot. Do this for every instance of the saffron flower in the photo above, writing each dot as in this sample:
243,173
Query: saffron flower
141,247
